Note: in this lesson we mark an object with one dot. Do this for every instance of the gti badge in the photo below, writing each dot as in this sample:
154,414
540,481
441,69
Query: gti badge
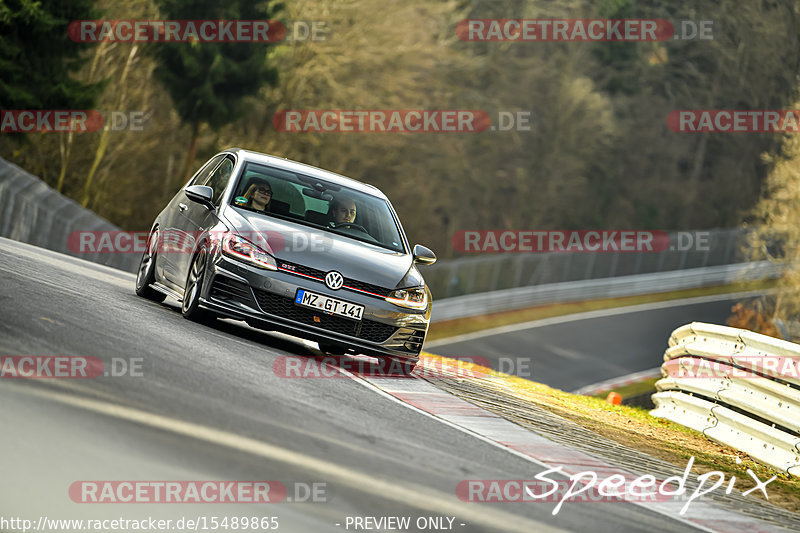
334,280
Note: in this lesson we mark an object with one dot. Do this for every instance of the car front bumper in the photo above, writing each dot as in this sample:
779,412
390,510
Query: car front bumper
266,298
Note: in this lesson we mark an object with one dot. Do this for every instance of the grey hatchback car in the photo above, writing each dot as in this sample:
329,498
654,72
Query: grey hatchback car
294,248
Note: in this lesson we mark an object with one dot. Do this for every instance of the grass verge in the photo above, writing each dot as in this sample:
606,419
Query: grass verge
635,428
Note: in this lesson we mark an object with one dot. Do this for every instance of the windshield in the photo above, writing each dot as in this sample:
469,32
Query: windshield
317,203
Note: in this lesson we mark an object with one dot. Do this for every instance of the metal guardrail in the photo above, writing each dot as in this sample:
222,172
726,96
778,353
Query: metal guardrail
573,291
34,213
487,272
738,388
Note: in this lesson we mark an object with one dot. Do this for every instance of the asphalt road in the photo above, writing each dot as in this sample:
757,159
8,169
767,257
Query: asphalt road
579,350
208,406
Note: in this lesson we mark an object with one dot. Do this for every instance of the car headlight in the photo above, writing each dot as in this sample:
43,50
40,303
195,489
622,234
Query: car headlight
412,298
244,250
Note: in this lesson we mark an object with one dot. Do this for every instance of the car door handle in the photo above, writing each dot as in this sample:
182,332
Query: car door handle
183,207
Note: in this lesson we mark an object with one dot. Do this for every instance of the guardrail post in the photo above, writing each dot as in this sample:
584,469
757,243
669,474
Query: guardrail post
543,259
682,262
453,279
473,273
565,267
614,261
729,248
495,275
662,256
637,265
518,271
590,266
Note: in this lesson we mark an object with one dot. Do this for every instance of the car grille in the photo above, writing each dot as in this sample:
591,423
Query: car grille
225,287
415,340
368,330
294,268
369,287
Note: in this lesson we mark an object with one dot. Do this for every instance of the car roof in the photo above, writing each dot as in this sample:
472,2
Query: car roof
307,170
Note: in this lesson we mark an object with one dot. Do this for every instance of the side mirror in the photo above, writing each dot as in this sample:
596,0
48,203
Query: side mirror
423,255
202,194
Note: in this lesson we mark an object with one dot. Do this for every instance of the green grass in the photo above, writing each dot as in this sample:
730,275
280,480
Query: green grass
628,425
634,427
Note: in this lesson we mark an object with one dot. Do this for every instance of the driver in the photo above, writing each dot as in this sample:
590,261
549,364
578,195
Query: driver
343,209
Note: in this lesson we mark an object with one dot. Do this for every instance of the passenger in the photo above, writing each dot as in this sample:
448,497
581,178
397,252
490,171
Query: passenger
259,195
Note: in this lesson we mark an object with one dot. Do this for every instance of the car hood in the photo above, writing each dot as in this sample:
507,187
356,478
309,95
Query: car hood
325,251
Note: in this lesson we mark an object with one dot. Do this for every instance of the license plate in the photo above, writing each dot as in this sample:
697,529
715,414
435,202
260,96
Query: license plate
328,305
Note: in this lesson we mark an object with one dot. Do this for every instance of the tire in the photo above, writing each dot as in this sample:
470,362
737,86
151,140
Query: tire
147,271
190,307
